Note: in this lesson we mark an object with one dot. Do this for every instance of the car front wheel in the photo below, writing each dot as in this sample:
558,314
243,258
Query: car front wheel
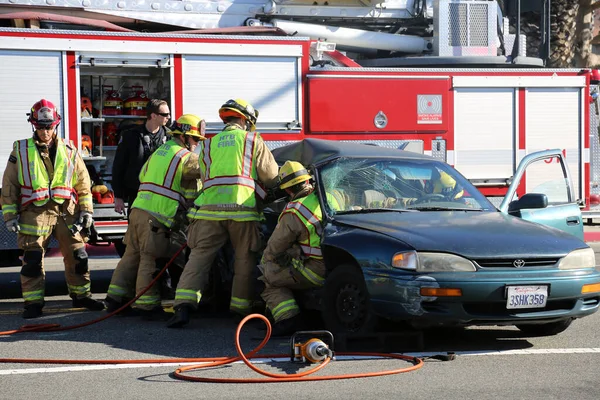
346,305
549,329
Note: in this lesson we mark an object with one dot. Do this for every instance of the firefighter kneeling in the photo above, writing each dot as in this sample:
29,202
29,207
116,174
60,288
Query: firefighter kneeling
46,190
293,259
169,183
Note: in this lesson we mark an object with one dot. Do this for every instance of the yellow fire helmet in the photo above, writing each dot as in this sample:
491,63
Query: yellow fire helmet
445,184
190,125
292,173
239,108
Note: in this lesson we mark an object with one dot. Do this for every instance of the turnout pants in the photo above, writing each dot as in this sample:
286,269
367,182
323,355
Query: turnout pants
72,248
205,239
145,239
280,282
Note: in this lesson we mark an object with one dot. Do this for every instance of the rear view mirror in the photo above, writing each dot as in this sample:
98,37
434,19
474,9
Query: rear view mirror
528,201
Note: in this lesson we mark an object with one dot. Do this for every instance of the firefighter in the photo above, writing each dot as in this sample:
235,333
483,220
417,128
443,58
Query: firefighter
235,165
293,259
169,183
46,190
441,187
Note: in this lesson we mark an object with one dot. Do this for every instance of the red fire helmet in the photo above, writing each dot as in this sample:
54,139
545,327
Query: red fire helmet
44,115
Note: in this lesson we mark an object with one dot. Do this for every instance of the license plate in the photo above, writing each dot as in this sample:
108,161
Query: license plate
526,296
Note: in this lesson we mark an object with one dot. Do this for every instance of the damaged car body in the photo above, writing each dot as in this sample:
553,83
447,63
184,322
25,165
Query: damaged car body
406,237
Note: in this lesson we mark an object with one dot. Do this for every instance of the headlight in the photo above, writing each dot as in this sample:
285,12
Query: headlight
444,262
578,259
431,262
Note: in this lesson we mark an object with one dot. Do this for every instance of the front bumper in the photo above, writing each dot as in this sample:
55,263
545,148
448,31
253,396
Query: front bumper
483,302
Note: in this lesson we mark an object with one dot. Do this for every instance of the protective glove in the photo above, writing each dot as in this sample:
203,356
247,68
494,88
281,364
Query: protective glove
85,219
13,225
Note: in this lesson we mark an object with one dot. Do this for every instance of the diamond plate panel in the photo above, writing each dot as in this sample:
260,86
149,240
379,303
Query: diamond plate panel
438,149
478,25
459,31
594,148
465,28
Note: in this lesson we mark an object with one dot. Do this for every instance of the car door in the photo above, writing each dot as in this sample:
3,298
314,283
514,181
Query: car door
547,174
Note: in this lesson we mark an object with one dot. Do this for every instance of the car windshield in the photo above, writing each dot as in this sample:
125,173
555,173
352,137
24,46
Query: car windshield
370,185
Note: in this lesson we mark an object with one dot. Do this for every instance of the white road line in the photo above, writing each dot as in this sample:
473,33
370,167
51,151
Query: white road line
76,368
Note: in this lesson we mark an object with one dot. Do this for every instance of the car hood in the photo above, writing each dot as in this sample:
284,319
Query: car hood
470,234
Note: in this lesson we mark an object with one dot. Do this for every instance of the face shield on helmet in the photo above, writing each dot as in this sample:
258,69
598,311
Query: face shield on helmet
239,108
44,115
292,173
190,125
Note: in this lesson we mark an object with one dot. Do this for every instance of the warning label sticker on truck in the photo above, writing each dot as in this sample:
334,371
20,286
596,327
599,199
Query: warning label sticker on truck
429,109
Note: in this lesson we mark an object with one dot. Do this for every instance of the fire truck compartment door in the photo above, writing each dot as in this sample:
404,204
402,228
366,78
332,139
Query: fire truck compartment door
562,211
272,84
376,104
554,119
30,76
484,131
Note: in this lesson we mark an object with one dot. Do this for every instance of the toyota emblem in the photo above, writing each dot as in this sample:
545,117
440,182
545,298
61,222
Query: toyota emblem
519,263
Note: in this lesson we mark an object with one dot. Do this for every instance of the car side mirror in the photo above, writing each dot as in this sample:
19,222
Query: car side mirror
530,200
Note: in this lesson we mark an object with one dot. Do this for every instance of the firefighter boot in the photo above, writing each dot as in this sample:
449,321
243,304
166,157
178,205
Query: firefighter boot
89,303
288,326
156,314
181,317
33,310
113,305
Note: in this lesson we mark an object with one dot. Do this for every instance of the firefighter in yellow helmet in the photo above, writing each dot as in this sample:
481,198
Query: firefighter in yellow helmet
169,183
236,165
444,186
293,259
46,190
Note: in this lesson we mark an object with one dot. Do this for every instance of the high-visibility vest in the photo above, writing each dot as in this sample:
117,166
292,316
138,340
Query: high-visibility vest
228,162
35,183
308,210
160,191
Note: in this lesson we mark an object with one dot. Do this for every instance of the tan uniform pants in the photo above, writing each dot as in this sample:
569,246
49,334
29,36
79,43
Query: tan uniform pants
145,240
72,248
280,282
205,239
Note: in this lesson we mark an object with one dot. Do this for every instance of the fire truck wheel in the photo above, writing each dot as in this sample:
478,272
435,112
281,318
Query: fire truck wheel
346,307
120,247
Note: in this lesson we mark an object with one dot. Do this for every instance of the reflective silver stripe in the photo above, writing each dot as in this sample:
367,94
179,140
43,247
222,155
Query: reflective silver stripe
151,187
248,151
206,157
24,162
27,196
71,165
306,213
260,191
311,251
230,180
62,192
168,182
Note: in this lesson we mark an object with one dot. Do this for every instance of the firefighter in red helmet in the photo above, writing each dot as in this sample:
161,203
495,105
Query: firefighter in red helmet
46,191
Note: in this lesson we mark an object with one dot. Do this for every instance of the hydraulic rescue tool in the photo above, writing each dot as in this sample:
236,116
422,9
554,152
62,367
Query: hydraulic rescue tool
311,346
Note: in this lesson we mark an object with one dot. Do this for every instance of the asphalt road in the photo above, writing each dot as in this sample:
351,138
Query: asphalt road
491,362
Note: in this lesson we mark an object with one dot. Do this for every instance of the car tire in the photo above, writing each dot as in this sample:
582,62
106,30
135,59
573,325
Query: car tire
346,306
120,247
549,329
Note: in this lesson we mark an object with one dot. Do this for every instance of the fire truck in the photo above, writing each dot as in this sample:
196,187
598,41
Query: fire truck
450,82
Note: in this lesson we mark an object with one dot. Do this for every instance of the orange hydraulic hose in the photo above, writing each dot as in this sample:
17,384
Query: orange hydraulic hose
211,362
57,327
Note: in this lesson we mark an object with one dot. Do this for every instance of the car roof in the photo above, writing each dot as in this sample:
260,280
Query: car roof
318,151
